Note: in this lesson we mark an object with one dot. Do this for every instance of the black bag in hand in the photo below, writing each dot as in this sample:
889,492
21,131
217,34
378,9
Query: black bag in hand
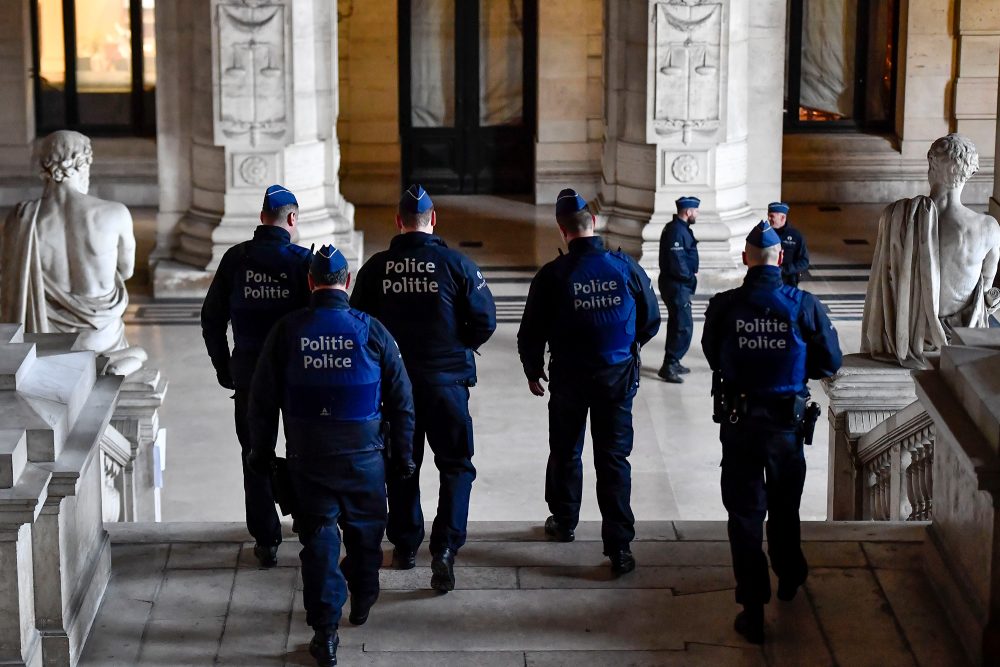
281,487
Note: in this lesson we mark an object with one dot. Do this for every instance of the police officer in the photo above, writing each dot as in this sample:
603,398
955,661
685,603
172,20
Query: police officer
257,282
594,309
763,341
793,245
438,306
677,282
334,373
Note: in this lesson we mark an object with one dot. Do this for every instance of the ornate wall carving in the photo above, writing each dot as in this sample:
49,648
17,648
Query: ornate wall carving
687,76
251,73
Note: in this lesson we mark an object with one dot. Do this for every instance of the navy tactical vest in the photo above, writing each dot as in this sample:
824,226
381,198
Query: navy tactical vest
265,286
763,352
597,323
329,375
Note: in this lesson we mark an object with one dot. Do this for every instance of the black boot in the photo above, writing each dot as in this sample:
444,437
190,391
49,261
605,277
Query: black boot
669,373
323,646
360,608
403,559
750,624
266,554
787,590
681,369
443,571
558,531
622,561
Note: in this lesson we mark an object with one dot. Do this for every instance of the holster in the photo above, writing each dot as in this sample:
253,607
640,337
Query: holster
808,428
281,487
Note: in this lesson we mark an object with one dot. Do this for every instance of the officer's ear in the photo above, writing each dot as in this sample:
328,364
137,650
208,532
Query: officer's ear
399,222
291,219
434,218
745,262
781,257
263,218
348,285
593,221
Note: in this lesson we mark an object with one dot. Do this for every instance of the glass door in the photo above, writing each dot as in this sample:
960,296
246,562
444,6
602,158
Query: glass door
467,96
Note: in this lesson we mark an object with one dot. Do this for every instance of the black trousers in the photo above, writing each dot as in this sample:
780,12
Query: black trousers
763,472
607,396
680,320
262,517
442,418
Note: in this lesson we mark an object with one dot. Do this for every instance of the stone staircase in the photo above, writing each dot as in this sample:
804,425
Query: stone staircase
192,594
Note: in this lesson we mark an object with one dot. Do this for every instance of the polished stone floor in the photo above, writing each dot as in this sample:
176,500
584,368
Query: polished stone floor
676,453
192,594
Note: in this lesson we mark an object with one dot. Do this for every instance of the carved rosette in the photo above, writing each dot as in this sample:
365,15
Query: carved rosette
251,72
685,168
687,68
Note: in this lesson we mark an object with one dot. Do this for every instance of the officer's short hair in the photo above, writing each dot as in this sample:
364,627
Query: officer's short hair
767,255
412,220
576,222
335,278
282,212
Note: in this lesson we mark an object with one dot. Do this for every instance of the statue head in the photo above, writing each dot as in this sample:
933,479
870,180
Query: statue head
952,161
65,157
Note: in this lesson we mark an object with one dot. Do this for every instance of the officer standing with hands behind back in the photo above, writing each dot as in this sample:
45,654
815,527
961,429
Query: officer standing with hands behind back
677,282
793,244
257,283
436,303
763,341
335,374
595,309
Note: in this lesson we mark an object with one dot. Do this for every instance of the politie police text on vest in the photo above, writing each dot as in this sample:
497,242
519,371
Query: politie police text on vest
753,334
321,352
594,294
262,286
409,276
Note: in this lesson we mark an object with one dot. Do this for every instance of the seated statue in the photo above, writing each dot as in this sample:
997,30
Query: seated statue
934,264
66,257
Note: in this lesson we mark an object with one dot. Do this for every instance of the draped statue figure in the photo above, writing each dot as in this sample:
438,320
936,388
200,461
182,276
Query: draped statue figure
934,264
66,257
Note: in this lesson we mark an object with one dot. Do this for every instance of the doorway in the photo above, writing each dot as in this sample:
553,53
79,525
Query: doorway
468,94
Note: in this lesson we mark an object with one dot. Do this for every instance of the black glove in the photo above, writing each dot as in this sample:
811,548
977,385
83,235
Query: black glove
406,469
260,461
225,379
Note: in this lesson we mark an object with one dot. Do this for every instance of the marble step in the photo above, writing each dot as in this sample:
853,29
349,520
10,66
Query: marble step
16,361
13,456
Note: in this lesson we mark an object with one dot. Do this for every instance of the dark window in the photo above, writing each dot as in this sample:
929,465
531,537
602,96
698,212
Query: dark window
95,66
841,65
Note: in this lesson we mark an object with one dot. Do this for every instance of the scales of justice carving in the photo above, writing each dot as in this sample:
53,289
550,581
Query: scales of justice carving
251,71
687,77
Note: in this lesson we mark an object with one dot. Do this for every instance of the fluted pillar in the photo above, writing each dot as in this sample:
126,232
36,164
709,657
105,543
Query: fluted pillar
677,100
252,101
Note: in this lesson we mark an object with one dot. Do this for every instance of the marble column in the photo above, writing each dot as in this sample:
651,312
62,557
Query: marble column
247,97
995,199
677,96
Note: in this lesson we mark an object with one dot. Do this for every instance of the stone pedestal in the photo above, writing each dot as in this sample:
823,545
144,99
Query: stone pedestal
54,556
247,96
962,554
677,92
863,394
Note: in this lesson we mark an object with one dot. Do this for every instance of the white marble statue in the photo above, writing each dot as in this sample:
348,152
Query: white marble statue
66,257
934,264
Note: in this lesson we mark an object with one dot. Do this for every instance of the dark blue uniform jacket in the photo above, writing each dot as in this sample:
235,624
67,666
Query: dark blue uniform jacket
546,317
678,255
257,283
823,356
330,406
796,258
436,303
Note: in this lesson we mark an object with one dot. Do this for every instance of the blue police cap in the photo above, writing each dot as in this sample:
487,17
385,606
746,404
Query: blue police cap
777,207
569,202
415,200
763,236
687,202
277,196
327,260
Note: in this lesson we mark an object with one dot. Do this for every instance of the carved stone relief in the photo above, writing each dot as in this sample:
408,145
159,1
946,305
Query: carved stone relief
687,76
252,73
252,170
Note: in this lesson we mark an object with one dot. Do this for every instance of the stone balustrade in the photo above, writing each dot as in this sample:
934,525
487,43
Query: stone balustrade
895,463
